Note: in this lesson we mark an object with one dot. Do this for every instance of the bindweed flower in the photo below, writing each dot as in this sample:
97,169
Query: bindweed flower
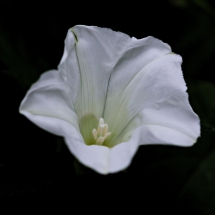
111,94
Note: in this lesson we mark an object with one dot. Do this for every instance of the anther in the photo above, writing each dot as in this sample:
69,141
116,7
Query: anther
95,134
101,121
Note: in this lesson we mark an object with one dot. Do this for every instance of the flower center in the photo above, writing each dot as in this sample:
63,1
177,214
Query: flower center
101,133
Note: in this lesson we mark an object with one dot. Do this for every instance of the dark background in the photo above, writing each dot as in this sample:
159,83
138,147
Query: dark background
36,164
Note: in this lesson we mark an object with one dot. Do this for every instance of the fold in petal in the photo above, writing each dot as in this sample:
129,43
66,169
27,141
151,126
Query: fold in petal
48,105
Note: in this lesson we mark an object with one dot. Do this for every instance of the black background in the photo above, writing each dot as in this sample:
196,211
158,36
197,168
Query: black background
36,164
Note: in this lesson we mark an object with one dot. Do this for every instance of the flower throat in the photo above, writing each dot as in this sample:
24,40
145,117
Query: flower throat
94,131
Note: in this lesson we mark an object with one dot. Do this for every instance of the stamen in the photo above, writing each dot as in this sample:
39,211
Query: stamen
98,129
105,130
107,135
101,134
101,129
100,140
101,121
95,134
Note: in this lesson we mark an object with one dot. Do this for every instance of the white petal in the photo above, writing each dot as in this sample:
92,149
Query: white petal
102,159
97,52
135,85
69,67
156,86
69,46
102,53
107,61
47,104
171,121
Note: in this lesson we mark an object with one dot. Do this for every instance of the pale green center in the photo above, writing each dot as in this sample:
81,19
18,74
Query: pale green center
92,136
101,133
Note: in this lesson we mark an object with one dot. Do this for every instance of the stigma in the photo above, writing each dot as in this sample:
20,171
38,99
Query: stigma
101,133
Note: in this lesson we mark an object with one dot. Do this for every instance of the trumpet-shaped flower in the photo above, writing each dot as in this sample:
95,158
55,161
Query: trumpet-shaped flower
111,94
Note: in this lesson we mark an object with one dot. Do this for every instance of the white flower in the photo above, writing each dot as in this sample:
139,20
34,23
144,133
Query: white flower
111,94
